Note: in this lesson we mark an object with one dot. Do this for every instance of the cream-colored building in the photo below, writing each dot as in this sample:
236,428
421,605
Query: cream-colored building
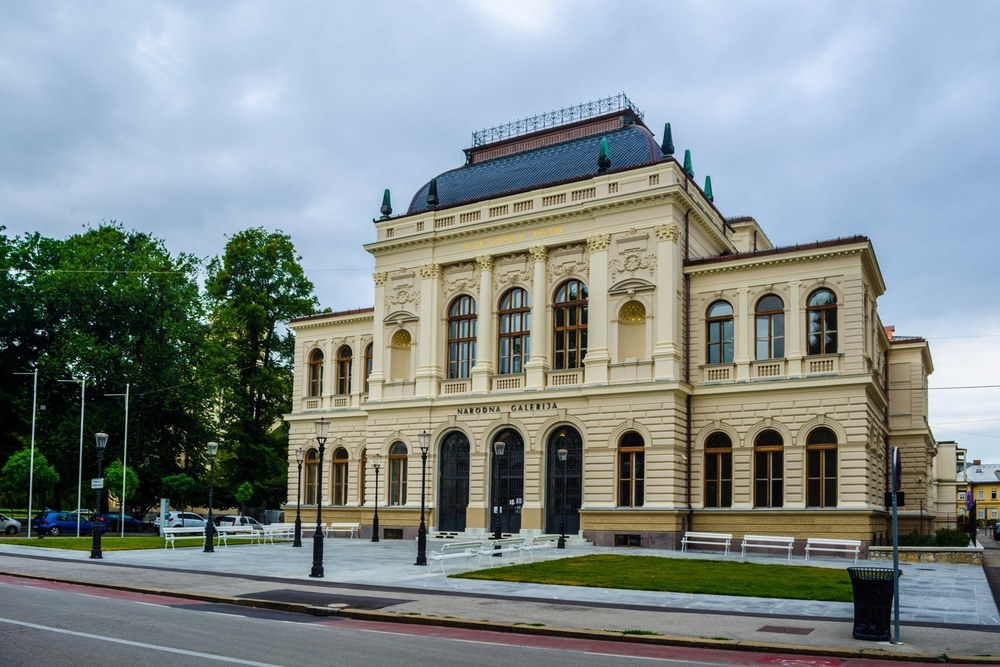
573,288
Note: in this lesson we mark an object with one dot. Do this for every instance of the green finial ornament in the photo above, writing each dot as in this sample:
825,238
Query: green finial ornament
432,193
708,189
386,205
688,169
668,141
603,160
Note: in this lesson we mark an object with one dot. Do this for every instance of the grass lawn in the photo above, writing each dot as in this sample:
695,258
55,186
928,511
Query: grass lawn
682,575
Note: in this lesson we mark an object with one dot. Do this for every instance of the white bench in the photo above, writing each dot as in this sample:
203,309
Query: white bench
835,546
450,550
283,531
182,533
767,542
350,528
223,533
539,542
491,549
710,539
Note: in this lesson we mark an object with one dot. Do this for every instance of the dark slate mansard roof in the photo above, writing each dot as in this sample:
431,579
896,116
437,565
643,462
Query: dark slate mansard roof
628,146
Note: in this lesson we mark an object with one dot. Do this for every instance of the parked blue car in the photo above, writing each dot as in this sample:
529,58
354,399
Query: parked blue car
132,525
50,522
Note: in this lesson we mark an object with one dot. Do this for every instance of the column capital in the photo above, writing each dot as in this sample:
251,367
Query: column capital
539,253
485,262
379,277
668,232
430,271
598,242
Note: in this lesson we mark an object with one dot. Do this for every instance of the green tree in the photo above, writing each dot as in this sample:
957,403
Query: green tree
243,495
16,477
256,285
113,484
116,308
179,486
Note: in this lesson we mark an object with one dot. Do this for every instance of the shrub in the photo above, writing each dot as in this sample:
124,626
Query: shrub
946,537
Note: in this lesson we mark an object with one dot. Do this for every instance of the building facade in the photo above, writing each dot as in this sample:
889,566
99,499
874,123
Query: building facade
983,484
650,365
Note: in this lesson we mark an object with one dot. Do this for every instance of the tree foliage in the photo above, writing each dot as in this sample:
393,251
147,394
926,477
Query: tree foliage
256,286
113,311
16,478
113,483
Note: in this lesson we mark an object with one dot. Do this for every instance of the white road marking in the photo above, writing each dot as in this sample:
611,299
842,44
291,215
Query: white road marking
166,649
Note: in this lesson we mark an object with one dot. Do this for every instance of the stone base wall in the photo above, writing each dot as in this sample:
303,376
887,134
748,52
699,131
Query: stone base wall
955,556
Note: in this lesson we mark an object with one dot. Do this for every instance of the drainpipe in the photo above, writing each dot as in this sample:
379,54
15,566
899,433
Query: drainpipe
687,368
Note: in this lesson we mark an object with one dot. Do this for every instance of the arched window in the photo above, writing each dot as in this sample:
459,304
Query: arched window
344,359
369,356
514,335
821,468
768,465
461,337
720,333
631,470
821,322
397,474
316,373
770,328
718,471
569,334
312,476
340,476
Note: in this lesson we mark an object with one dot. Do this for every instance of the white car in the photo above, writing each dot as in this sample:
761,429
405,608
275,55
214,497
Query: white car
9,526
182,519
237,520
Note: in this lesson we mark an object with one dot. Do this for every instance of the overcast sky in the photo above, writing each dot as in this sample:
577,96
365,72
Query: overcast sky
194,120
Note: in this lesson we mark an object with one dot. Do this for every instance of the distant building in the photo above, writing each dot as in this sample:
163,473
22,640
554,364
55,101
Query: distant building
983,482
572,287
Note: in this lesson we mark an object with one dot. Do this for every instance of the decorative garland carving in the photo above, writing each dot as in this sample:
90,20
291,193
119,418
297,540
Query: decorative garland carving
461,278
630,262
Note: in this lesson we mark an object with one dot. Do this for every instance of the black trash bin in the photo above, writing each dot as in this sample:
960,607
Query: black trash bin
873,594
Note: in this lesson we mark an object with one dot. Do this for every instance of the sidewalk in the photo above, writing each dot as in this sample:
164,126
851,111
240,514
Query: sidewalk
945,610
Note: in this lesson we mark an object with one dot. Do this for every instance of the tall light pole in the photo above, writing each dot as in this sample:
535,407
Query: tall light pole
124,456
376,463
322,429
425,444
563,455
95,547
297,542
498,448
79,483
213,449
31,465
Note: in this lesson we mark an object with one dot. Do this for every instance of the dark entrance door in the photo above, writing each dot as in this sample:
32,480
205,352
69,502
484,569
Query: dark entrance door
508,481
564,496
453,482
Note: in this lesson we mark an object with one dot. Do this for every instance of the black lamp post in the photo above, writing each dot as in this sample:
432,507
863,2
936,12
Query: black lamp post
425,444
376,463
95,548
498,448
563,455
213,449
322,428
297,542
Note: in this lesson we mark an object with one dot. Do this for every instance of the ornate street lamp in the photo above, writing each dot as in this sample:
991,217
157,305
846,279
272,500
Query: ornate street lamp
322,428
376,463
297,542
498,448
213,449
563,455
95,548
425,444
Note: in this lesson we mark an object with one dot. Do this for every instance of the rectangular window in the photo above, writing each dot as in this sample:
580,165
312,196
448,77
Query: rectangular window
981,495
397,481
718,479
768,478
821,477
630,478
993,494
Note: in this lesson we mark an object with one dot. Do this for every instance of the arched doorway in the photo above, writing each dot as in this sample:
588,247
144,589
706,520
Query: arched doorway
507,480
564,501
453,482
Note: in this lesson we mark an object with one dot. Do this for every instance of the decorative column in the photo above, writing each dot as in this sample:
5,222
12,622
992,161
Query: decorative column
428,375
669,302
745,340
598,359
795,332
540,338
377,378
486,340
